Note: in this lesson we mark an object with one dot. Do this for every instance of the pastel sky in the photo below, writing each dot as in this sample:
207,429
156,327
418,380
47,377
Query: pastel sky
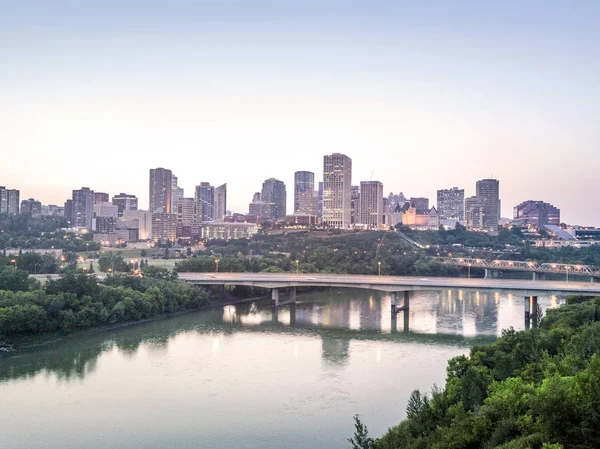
421,95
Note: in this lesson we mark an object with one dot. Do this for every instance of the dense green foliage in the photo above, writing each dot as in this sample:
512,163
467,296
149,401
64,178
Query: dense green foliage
25,231
77,302
531,389
352,253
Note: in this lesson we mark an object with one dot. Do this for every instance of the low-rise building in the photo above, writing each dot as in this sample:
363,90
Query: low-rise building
228,231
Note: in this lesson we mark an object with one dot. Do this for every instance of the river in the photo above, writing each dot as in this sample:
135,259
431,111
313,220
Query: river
243,377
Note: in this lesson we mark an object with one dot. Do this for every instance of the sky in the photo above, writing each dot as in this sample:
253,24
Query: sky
421,95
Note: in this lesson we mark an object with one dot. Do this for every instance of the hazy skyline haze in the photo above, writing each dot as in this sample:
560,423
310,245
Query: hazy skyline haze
421,96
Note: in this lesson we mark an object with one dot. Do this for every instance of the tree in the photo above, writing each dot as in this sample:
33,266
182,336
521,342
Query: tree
361,438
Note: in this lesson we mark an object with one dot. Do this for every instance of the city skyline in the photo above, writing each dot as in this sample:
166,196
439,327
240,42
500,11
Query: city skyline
419,98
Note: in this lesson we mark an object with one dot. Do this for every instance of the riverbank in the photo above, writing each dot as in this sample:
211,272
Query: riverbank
27,342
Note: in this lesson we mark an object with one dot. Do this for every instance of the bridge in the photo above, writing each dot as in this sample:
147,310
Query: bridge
493,267
394,285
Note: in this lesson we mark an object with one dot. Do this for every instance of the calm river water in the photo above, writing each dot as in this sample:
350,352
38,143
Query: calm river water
239,377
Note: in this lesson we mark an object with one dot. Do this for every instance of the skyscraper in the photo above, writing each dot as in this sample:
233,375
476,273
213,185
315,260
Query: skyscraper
371,204
205,195
176,192
474,212
189,217
355,205
161,182
100,197
220,207
337,190
303,181
9,201
125,202
274,198
489,192
82,208
451,203
537,213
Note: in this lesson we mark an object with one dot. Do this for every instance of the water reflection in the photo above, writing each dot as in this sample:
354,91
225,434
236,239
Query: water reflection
337,317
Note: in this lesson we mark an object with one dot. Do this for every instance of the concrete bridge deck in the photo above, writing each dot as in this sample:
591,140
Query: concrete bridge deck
393,283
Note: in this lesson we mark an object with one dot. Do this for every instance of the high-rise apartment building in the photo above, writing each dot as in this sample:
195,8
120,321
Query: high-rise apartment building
164,227
337,190
274,197
303,181
489,192
9,201
474,212
189,217
125,202
220,203
100,197
320,197
32,207
82,208
537,213
421,204
355,205
161,184
176,192
451,203
205,195
371,204
308,203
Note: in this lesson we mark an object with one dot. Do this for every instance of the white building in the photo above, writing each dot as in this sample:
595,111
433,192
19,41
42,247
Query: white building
371,204
337,190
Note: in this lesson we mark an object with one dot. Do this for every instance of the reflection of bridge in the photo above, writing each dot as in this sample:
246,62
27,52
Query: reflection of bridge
530,289
494,267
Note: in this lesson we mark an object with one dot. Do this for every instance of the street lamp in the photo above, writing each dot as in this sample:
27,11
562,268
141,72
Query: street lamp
379,267
14,262
297,266
469,271
217,262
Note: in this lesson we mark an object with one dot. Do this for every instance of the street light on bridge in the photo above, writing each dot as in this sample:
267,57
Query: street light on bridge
217,262
379,267
469,271
297,266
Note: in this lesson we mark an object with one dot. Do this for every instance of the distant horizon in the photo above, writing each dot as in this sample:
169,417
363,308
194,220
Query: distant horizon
420,96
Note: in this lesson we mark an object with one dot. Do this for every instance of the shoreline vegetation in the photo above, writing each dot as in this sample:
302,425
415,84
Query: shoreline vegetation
537,389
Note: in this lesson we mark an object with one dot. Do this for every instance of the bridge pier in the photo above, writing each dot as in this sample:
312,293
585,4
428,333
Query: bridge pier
527,304
534,311
275,297
493,274
293,295
539,276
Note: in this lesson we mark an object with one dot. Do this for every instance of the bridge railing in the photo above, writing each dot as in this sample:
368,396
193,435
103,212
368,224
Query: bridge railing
523,266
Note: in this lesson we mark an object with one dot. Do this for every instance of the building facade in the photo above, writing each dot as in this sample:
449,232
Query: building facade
308,203
125,202
303,181
161,183
189,217
144,219
164,227
9,201
220,207
474,213
371,204
32,207
100,197
337,190
82,208
205,195
274,197
488,190
355,205
537,213
451,203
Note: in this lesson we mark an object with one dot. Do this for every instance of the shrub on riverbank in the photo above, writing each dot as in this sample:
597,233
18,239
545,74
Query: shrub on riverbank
77,302
531,389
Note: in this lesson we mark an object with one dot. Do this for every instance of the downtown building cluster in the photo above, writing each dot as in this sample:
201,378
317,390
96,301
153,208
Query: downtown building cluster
333,202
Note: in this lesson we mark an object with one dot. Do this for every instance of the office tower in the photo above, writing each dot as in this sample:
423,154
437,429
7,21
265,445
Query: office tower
220,207
82,208
176,192
100,197
161,183
421,204
189,217
303,181
320,196
144,220
355,205
32,207
371,204
337,190
451,203
205,195
9,201
489,192
474,212
274,197
125,202
537,213
256,207
164,227
308,203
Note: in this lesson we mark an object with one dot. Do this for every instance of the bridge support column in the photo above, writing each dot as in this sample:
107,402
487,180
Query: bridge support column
534,311
394,298
293,295
527,303
275,297
592,280
292,313
406,320
535,276
406,304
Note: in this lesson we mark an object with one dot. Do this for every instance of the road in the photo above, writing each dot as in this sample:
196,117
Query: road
392,283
